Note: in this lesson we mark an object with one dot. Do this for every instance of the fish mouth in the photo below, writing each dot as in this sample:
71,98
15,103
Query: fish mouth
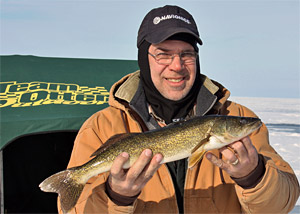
254,125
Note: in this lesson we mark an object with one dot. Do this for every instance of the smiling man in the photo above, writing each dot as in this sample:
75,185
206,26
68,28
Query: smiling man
173,68
246,176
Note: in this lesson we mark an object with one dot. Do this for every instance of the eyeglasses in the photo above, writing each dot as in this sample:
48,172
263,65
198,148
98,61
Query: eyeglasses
166,59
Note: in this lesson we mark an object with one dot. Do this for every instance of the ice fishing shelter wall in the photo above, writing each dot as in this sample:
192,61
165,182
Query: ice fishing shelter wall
43,103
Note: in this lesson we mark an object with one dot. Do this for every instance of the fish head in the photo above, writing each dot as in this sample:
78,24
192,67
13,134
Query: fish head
240,127
232,128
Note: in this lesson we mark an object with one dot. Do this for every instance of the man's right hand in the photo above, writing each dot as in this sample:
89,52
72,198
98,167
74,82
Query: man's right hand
129,182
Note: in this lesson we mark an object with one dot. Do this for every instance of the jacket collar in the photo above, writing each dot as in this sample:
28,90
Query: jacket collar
212,96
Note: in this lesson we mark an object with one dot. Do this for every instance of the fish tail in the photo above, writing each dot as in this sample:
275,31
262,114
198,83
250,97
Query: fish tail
68,187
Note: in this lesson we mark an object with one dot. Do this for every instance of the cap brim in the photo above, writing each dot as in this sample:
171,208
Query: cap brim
155,38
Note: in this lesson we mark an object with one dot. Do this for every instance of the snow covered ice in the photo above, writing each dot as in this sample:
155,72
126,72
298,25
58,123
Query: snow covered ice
282,117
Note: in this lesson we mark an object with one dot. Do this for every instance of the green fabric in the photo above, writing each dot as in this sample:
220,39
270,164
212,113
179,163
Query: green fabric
40,94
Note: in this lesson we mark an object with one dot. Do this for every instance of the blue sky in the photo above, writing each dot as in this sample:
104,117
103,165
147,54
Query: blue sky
251,47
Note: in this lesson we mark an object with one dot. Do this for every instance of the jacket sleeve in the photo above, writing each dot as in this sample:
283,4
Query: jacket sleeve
278,190
93,198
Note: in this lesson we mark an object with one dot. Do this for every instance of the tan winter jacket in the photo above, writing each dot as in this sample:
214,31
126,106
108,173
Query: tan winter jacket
207,189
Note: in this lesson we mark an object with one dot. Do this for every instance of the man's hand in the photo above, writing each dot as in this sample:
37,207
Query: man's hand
129,182
241,158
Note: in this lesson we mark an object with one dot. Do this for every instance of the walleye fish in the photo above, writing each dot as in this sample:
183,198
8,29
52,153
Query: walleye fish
191,138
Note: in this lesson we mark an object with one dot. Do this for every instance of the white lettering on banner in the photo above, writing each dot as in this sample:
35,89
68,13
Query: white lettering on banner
157,19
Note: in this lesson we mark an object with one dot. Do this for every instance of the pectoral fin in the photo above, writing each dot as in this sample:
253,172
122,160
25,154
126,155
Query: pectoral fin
196,156
198,151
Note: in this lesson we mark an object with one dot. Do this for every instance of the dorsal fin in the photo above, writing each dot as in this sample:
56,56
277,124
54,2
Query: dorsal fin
112,140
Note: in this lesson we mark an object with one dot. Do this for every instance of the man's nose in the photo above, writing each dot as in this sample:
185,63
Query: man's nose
177,63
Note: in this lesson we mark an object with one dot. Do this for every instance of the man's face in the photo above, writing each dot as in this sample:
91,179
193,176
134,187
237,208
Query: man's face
173,81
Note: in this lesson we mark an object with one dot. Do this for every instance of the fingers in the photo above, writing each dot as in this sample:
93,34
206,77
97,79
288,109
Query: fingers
240,158
150,169
130,182
238,150
230,154
249,146
117,168
137,168
216,161
244,150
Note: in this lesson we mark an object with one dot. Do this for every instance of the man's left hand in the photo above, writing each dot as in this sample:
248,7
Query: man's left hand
241,158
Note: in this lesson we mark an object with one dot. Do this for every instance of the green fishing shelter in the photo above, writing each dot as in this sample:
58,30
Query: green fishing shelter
43,103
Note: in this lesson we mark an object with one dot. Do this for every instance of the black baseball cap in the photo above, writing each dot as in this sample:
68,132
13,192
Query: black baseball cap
163,22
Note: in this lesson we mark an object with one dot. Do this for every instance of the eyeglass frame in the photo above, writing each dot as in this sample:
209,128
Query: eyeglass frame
173,56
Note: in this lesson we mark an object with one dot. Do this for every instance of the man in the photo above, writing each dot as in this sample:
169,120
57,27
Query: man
247,176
